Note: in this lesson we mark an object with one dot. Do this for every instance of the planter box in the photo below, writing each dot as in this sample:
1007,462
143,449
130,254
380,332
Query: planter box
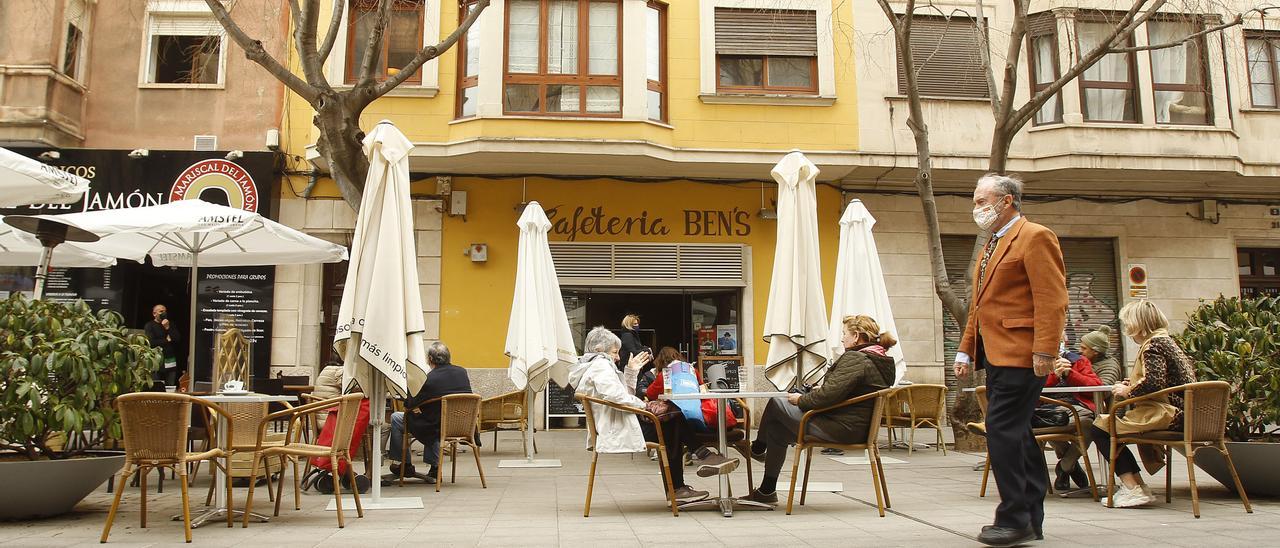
53,487
1255,462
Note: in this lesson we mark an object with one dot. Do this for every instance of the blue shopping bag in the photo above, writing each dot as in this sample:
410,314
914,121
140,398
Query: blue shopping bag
685,381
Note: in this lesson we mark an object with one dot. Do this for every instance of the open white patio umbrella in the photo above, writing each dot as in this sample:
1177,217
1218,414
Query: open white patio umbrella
795,322
539,341
380,325
193,233
20,248
24,181
860,282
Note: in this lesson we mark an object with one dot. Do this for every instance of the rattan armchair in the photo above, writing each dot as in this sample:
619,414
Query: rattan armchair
337,450
155,436
661,446
507,412
1204,426
459,415
248,415
916,406
1073,433
806,444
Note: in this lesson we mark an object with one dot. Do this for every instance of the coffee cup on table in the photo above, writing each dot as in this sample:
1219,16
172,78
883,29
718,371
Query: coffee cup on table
233,386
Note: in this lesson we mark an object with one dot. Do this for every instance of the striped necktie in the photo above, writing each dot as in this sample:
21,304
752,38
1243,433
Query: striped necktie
986,256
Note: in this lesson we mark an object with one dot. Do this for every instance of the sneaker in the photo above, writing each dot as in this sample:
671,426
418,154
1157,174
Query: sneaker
757,496
686,494
409,470
832,451
758,456
716,464
1128,498
653,454
1146,492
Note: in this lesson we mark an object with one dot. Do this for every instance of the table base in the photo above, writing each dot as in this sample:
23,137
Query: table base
529,463
725,505
220,515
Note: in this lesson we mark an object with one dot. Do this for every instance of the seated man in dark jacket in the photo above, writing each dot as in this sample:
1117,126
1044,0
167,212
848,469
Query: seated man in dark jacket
443,379
862,369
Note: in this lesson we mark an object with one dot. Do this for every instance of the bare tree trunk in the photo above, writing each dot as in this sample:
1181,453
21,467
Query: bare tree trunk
341,143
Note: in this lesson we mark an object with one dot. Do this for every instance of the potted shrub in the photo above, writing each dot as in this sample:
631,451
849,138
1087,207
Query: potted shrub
61,367
1238,341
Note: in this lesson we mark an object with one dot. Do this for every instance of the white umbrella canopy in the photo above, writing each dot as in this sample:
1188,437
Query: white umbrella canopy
195,233
380,330
24,181
860,285
539,341
18,248
795,322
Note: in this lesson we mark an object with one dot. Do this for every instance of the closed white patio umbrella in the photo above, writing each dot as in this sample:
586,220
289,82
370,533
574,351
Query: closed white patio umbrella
192,233
380,325
24,181
860,285
539,341
795,322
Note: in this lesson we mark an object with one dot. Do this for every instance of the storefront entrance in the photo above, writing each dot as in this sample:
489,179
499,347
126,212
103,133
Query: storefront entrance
698,322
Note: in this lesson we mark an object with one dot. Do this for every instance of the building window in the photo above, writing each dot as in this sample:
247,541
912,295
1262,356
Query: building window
766,51
948,58
401,39
73,49
468,64
1259,271
1107,89
1042,42
1179,74
655,25
563,58
184,50
1263,56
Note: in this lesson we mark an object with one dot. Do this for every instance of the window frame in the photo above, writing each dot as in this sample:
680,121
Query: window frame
1273,41
147,64
79,60
1256,280
582,78
1085,84
349,63
464,82
899,80
1207,87
764,87
1032,66
659,86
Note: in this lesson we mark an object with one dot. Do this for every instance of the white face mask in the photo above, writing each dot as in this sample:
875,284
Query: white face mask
986,216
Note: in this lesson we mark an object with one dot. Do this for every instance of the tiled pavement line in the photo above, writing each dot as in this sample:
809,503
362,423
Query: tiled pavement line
910,517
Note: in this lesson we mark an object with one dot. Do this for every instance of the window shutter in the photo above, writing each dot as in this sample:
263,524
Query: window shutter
1040,24
77,13
947,58
690,265
766,32
168,24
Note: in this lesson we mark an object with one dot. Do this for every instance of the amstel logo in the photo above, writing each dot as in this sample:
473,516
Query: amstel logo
217,181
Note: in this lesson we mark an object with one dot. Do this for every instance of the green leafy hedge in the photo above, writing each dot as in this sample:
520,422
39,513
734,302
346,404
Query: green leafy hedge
61,366
1238,341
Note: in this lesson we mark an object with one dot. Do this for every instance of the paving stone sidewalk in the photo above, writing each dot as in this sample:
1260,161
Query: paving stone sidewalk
935,503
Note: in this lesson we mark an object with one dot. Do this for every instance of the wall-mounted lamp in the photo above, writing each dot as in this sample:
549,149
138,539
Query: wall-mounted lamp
49,155
766,213
234,155
139,153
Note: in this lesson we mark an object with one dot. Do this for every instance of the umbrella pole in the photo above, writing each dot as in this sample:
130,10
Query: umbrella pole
529,398
42,273
377,405
192,329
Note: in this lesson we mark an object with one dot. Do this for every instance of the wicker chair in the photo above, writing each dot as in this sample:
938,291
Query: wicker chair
155,436
459,414
507,412
1204,426
805,445
1072,433
661,446
916,406
348,408
249,415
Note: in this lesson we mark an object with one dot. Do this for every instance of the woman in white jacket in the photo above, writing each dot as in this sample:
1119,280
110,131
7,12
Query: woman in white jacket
596,375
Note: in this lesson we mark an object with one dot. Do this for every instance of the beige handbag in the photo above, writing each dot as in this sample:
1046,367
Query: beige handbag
1144,416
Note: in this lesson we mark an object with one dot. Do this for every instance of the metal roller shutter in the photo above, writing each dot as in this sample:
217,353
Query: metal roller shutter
766,32
675,265
947,56
1092,281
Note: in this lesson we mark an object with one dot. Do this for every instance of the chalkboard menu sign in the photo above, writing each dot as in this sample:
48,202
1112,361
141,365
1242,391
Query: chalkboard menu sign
239,297
732,369
560,402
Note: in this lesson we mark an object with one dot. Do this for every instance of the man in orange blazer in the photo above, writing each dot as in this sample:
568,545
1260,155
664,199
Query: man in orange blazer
1017,312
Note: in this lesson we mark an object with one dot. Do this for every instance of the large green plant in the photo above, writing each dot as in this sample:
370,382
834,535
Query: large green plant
61,366
1238,341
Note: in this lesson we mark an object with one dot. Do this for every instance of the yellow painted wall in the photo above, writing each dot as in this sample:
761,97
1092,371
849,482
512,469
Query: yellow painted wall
476,297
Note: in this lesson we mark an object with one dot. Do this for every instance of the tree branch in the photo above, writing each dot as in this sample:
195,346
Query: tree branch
304,36
254,51
1239,20
1016,35
331,35
984,51
430,52
373,46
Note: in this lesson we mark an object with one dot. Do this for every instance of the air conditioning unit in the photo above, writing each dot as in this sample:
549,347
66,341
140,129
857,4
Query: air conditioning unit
206,142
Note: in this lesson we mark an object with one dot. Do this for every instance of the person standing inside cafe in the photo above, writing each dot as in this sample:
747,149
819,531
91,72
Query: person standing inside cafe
161,334
1017,312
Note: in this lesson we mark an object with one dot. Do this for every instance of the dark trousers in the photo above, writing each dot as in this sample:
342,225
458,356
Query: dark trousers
1125,463
676,434
779,427
1016,459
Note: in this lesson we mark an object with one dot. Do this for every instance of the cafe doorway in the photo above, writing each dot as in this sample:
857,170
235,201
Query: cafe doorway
698,322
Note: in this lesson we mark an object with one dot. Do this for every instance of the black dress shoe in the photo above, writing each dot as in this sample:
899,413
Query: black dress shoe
1081,479
1038,530
1006,536
1061,480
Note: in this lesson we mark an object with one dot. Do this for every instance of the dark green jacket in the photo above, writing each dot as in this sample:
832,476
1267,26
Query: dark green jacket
1108,370
855,373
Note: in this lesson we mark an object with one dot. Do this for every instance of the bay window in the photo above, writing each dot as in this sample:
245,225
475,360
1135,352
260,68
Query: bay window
1262,53
468,64
562,57
1107,88
1179,73
655,23
1042,40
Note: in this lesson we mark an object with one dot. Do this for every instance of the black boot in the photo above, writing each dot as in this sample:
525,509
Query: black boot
1078,475
1061,481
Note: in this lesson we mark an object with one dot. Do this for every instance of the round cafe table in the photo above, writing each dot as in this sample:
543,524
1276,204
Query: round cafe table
721,501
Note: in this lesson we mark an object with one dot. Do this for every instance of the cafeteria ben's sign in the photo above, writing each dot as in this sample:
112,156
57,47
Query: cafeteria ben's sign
575,222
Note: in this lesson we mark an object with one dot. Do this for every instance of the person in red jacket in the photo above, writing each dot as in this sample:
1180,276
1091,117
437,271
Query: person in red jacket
1072,369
